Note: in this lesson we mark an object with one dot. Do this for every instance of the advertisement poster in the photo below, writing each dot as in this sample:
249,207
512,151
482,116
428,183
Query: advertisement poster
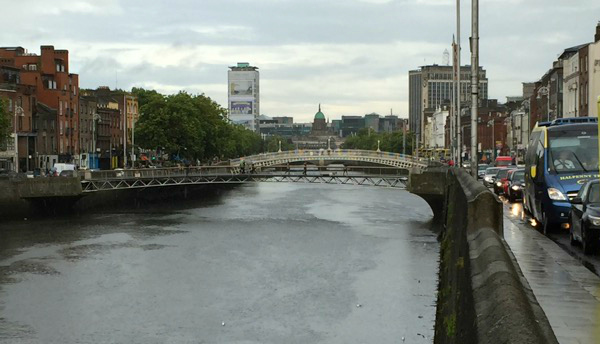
241,108
241,88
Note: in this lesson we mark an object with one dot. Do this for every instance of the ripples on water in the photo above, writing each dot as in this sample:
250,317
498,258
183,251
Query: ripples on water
276,263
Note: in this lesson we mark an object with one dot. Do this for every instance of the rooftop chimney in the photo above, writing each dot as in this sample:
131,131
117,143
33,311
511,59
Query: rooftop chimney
597,36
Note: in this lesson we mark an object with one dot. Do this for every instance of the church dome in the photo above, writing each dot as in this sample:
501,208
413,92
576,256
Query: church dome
319,115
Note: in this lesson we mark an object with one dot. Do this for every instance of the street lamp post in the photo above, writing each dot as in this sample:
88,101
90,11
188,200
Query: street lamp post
378,146
279,146
493,125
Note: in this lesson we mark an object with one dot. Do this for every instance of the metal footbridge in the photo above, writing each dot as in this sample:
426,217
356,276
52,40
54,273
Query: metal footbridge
326,156
326,166
149,178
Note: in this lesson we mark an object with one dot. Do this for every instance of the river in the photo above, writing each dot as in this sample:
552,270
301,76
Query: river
260,263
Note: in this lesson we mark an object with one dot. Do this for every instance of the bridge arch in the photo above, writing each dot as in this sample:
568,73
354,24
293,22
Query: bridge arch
341,155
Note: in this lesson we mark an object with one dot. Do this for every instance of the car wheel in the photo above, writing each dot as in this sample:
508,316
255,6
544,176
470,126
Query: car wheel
526,207
586,241
545,224
571,237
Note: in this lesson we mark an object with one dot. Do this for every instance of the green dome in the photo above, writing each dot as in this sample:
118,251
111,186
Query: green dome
319,115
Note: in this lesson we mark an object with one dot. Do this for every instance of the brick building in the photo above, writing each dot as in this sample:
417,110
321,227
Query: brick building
53,86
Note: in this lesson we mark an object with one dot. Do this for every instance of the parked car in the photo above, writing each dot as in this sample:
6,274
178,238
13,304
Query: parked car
584,218
489,178
481,170
501,177
67,173
514,185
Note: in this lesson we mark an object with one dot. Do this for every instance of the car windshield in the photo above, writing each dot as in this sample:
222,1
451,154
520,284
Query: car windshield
491,171
482,167
518,176
573,151
594,196
502,173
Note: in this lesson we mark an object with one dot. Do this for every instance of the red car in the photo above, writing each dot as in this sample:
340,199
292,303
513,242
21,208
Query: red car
501,178
506,182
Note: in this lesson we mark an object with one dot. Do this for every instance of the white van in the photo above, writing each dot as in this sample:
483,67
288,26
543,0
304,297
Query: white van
60,167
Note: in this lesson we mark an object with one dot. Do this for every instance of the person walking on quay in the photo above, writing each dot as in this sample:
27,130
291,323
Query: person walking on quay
243,166
305,168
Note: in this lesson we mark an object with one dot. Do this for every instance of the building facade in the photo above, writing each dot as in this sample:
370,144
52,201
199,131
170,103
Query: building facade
431,87
594,74
244,95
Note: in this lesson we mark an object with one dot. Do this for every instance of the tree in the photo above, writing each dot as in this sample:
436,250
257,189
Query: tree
388,142
191,127
272,144
5,121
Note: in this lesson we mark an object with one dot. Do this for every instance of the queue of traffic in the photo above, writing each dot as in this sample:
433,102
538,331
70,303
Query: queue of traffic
558,183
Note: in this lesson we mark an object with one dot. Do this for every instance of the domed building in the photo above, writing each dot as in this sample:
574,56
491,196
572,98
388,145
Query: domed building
319,126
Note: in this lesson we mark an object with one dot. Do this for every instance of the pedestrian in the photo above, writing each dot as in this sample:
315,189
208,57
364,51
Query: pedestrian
252,169
243,166
305,168
345,170
288,168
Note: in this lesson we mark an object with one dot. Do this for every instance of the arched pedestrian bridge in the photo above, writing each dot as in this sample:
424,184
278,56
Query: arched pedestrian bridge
326,156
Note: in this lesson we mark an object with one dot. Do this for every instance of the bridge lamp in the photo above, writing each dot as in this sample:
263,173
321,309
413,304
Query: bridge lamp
279,146
378,141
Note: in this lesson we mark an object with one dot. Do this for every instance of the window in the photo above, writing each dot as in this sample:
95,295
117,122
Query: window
48,82
61,130
32,66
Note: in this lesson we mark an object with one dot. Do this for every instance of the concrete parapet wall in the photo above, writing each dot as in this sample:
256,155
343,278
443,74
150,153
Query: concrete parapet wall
49,187
482,295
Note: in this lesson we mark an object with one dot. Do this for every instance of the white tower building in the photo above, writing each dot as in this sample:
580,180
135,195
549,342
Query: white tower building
244,95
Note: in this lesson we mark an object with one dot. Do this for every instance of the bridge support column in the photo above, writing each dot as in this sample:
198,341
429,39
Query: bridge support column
431,186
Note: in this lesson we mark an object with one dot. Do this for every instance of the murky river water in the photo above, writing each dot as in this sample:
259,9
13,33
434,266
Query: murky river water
265,263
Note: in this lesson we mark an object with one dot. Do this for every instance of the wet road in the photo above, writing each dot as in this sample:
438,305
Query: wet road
265,263
558,235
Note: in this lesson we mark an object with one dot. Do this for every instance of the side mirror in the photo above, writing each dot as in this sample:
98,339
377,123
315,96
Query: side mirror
576,200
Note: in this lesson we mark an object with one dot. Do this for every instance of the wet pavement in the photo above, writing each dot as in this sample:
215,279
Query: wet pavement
567,291
264,263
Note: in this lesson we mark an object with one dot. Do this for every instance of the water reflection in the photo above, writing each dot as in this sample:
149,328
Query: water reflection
275,262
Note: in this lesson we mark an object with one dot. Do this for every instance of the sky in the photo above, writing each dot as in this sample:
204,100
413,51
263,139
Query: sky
352,56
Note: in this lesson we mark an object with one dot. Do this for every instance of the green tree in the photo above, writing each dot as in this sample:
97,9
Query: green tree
388,142
191,127
5,122
271,144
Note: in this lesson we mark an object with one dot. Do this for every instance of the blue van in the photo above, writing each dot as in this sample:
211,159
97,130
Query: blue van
562,156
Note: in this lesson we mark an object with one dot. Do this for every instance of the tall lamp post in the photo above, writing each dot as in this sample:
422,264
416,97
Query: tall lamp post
18,112
492,123
378,141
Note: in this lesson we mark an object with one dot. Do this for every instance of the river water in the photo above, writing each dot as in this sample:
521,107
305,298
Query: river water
262,263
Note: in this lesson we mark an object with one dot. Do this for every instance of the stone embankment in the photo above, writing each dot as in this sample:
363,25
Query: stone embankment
482,294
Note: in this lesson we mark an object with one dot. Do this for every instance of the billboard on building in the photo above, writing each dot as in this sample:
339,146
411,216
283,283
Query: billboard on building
239,107
241,87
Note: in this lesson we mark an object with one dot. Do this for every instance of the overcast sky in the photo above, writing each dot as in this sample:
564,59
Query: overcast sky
353,56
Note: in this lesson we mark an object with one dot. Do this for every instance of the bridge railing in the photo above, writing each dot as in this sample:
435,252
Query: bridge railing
332,153
174,172
157,172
